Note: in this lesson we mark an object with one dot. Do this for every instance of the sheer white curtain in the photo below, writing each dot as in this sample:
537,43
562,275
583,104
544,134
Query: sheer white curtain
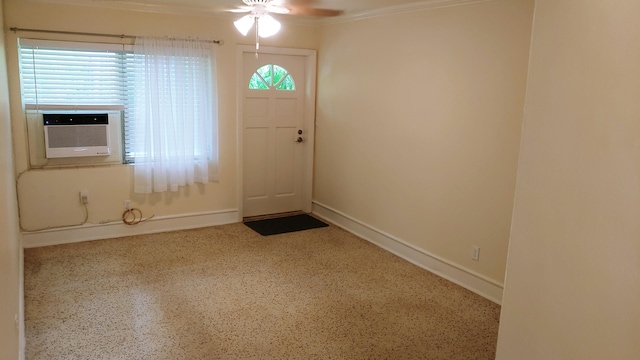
175,114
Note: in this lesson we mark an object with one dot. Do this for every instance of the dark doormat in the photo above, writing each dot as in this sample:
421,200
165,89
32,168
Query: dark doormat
285,224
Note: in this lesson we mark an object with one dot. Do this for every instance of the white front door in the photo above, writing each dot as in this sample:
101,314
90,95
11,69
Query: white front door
275,135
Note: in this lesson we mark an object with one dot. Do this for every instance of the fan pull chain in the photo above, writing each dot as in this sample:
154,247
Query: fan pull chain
257,36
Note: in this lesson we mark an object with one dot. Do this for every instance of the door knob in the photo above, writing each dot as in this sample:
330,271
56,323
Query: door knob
300,139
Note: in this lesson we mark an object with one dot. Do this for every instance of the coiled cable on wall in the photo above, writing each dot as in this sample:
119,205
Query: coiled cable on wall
133,216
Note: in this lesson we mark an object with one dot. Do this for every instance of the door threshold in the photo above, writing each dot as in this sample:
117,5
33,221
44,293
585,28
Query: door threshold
272,216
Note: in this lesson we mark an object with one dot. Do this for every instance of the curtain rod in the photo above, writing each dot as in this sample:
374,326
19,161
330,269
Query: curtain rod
122,36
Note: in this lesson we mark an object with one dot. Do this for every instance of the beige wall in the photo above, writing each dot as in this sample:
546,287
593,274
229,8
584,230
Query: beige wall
50,197
419,118
573,274
9,234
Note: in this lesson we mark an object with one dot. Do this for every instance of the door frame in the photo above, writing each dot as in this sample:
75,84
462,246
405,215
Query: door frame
309,118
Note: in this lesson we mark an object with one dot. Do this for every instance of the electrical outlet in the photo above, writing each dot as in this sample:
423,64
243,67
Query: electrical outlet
127,204
476,253
84,196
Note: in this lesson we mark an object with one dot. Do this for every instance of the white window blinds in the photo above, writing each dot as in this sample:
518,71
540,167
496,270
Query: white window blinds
74,74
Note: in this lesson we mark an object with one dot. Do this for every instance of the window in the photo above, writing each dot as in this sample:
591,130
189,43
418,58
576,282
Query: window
60,75
272,76
174,106
84,76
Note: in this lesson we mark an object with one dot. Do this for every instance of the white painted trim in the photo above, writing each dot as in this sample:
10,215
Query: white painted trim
468,279
398,9
89,232
239,131
21,330
145,7
309,117
218,12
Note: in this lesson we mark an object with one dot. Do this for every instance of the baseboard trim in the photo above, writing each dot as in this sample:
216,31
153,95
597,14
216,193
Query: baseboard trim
90,232
455,273
468,279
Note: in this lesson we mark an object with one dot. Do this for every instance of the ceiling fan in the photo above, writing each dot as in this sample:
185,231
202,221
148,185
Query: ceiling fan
259,15
291,7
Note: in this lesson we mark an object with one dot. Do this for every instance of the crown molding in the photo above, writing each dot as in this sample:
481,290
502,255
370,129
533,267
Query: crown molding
183,10
173,9
137,6
398,9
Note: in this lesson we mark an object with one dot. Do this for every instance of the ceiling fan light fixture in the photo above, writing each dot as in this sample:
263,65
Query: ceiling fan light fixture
268,26
244,24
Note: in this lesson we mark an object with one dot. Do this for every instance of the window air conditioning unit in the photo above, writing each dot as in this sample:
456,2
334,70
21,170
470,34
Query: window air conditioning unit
76,135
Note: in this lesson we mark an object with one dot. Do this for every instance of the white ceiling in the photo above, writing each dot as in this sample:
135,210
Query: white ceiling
351,8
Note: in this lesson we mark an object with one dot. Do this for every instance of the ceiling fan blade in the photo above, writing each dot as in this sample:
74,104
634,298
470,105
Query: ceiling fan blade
297,2
277,9
239,9
303,10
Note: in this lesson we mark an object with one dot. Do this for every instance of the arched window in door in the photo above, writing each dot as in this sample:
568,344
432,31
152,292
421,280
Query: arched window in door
272,76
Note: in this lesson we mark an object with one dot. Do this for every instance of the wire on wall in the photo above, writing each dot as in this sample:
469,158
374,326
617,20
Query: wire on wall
24,229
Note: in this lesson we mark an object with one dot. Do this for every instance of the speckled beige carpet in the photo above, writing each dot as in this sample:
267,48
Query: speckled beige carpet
228,293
